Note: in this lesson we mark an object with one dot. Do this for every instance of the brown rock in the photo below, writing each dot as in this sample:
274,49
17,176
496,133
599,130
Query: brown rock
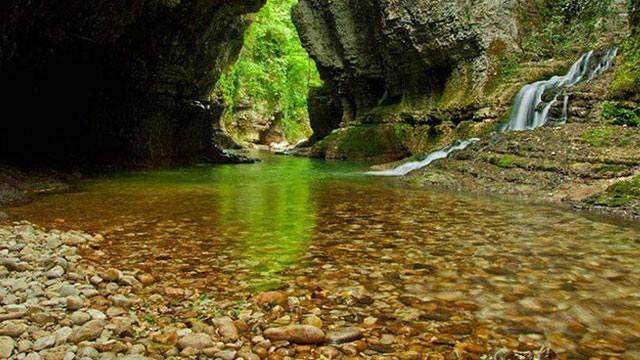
226,328
166,338
271,298
297,334
12,328
313,321
146,279
343,335
87,332
196,341
112,275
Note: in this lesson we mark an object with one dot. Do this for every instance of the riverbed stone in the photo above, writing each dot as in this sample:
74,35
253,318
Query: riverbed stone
7,345
271,298
74,302
44,342
55,272
123,301
196,341
226,328
343,335
12,328
225,355
313,321
112,275
297,334
80,317
87,332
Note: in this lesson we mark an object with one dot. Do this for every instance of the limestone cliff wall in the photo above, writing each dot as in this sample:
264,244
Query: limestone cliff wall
387,52
444,68
114,81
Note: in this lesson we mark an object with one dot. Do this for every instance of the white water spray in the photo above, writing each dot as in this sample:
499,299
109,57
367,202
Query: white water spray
529,110
406,168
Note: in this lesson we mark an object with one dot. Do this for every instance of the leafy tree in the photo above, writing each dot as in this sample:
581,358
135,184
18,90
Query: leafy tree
273,74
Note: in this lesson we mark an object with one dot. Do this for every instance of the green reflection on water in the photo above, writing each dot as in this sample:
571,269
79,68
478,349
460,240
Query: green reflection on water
273,218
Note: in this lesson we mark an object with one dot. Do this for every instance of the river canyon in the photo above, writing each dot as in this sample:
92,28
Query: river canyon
151,208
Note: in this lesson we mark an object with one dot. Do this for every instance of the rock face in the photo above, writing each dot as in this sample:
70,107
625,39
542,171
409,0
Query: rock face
114,82
385,52
429,64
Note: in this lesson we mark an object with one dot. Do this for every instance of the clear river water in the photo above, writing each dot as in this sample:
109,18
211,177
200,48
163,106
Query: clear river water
524,270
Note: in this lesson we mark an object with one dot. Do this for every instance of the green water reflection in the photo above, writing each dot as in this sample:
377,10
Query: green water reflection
261,215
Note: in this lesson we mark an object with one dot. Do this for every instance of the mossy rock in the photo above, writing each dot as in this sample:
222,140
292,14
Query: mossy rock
621,194
625,113
365,142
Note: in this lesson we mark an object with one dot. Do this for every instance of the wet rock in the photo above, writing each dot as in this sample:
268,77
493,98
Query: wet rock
74,303
146,279
271,298
196,341
225,354
387,339
247,355
87,332
80,317
313,321
112,275
55,272
343,335
44,342
72,239
381,348
12,328
6,347
226,328
297,334
87,352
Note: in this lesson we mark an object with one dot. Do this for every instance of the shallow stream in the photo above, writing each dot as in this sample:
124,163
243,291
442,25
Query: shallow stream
524,270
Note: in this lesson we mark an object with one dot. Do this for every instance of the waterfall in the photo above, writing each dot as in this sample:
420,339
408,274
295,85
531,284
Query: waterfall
406,168
565,109
530,111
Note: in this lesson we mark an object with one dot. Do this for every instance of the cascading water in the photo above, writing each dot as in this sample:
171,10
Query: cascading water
529,109
406,168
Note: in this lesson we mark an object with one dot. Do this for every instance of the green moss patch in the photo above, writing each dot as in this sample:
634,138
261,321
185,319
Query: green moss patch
621,113
599,137
621,194
509,161
365,142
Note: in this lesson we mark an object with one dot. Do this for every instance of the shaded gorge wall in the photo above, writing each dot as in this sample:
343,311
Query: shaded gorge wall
89,83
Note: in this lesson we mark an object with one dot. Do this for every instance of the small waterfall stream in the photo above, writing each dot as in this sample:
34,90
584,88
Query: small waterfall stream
529,111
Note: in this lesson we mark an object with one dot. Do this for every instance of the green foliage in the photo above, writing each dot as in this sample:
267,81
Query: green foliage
618,113
510,161
506,161
273,73
598,137
566,26
626,83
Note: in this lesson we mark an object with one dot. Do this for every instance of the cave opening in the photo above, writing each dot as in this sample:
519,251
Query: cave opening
266,91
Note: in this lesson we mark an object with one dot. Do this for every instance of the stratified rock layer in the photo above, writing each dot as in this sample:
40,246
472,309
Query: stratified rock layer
88,82
446,68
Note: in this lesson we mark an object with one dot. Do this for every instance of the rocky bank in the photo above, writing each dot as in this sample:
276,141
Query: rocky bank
411,76
58,304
